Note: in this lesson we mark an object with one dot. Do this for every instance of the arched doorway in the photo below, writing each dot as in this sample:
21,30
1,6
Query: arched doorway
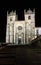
19,40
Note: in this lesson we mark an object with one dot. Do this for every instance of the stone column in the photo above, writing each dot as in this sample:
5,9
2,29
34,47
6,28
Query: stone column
8,33
22,38
11,33
16,38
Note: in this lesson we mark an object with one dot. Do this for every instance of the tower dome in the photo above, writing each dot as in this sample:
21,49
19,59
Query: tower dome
29,11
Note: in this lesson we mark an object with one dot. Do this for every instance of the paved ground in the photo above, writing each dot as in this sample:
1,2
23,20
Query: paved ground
20,55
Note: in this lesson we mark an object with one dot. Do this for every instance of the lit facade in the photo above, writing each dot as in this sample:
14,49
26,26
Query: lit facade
20,32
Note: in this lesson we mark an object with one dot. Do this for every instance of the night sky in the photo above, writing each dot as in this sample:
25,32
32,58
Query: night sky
19,6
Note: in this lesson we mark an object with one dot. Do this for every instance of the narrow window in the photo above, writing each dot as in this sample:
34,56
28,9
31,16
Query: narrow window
29,17
11,19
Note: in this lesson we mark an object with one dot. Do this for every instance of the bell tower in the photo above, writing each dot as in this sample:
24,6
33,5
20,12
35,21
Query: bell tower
29,25
11,17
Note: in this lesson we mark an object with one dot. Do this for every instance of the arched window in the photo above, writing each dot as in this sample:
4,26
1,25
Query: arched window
29,17
11,19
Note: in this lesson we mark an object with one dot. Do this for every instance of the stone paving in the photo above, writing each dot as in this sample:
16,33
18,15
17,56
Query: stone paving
20,55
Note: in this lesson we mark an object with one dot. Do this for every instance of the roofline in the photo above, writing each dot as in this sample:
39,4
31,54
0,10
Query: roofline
37,27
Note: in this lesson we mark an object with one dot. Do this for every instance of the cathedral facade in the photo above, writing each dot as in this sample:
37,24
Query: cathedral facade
20,32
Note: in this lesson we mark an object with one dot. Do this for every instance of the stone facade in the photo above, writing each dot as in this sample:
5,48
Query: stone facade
20,32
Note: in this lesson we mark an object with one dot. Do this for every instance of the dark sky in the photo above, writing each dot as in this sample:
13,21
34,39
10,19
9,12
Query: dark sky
19,6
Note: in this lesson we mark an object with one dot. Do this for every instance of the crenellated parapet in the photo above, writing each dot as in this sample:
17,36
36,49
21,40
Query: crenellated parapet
29,11
11,13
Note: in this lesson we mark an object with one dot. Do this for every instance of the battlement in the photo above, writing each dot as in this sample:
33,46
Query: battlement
11,13
29,11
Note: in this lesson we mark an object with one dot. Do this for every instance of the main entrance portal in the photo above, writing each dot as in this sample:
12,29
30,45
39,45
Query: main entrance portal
19,41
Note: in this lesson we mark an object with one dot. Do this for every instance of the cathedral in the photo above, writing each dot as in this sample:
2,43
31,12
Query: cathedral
20,32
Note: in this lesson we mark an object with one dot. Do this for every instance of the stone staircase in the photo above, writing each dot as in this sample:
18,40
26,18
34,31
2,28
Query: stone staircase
7,56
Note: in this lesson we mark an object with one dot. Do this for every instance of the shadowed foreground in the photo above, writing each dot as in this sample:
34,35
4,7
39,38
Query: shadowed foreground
20,55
